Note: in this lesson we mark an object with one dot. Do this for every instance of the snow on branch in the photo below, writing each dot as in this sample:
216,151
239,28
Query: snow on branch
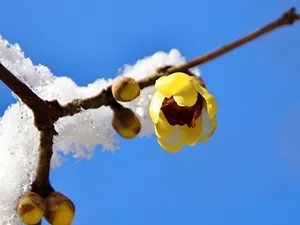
78,134
68,118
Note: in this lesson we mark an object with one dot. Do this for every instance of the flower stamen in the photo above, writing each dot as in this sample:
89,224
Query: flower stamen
181,115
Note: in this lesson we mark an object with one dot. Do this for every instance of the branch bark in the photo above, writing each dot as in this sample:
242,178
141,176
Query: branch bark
41,184
47,113
44,113
105,97
287,18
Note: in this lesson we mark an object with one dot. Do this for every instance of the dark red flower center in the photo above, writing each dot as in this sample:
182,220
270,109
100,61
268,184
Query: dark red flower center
178,115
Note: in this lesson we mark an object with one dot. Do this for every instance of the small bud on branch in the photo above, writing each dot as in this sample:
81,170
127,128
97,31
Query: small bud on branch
60,209
31,208
125,89
125,122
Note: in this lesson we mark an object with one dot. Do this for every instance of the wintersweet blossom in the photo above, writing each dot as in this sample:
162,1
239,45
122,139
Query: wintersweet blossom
183,111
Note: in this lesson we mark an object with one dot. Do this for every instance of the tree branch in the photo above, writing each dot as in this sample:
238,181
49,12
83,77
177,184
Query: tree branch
46,113
41,184
287,18
105,97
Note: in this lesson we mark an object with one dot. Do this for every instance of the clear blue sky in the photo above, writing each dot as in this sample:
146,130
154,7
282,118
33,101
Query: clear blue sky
248,173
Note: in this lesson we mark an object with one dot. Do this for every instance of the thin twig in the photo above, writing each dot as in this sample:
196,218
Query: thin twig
43,113
105,97
287,18
41,184
52,110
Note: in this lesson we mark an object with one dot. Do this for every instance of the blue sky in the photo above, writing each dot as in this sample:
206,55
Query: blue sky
248,173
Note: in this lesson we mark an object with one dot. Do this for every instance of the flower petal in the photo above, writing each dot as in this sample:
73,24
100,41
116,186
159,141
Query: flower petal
163,85
173,143
162,128
180,86
211,103
208,126
185,94
190,136
155,105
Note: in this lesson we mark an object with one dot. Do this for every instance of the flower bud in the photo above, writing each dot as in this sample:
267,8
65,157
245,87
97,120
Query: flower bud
31,208
125,89
125,122
60,210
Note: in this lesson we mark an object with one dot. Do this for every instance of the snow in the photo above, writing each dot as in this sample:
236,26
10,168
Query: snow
78,135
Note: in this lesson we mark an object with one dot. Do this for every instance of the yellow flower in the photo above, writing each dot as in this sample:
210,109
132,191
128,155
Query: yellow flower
183,111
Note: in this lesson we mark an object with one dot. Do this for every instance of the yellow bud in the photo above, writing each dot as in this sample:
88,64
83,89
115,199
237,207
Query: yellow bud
60,210
125,122
31,208
125,89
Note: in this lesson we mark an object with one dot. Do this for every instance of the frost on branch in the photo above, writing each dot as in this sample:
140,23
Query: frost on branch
78,135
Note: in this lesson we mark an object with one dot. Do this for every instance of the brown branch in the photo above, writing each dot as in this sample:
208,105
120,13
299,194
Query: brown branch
46,113
105,97
43,113
25,93
287,18
41,184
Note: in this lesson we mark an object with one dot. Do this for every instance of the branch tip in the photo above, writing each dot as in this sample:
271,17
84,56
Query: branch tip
290,16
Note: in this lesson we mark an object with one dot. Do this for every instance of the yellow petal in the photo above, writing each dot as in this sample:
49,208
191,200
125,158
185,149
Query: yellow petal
173,143
163,85
155,105
180,86
184,93
162,128
208,126
211,103
190,136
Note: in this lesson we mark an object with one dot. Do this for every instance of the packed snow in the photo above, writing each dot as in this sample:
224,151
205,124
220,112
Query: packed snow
78,135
